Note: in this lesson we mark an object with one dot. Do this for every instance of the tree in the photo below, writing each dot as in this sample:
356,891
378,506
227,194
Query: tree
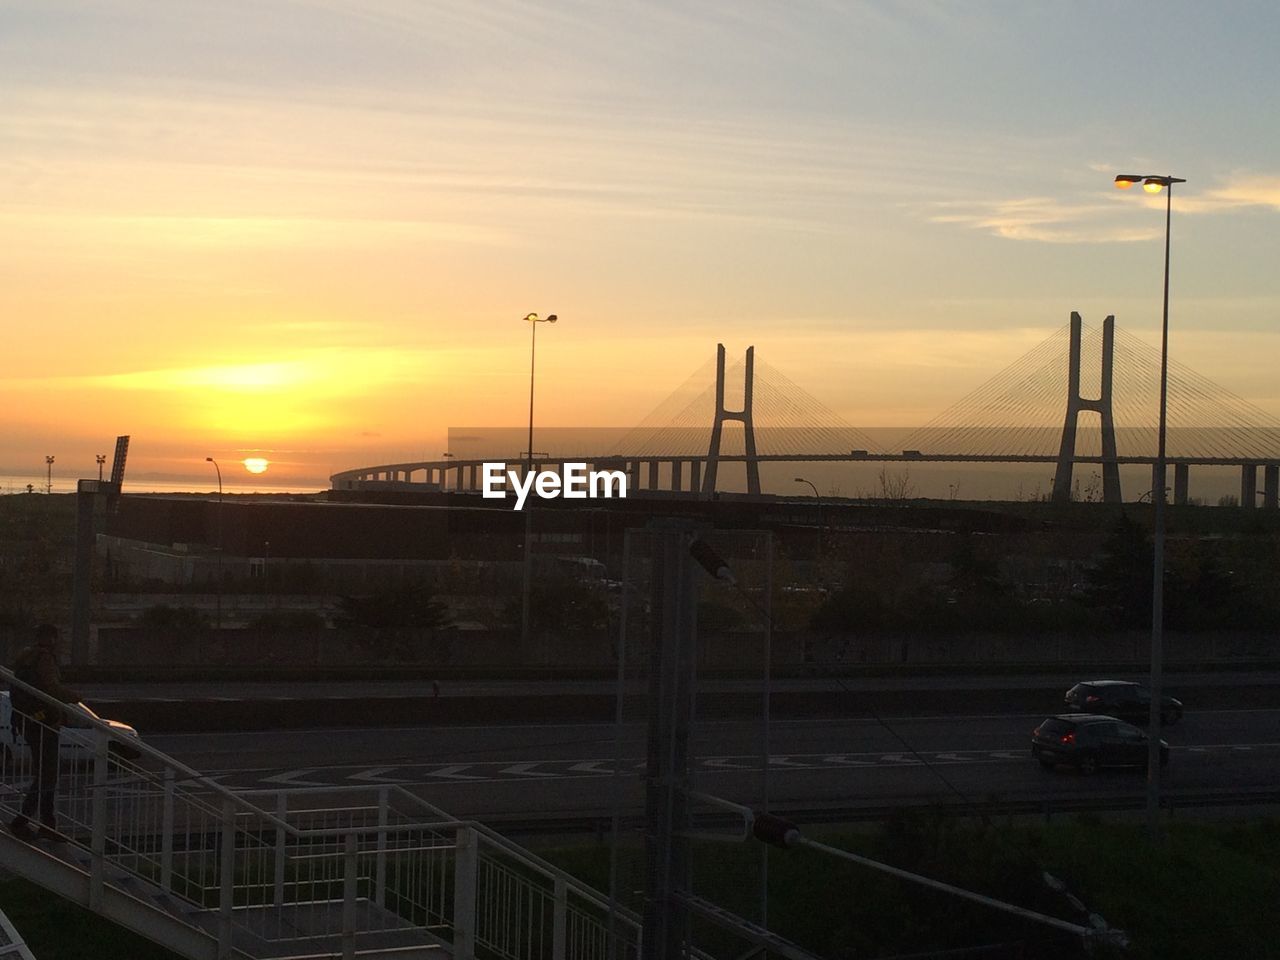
390,623
562,604
408,604
1121,582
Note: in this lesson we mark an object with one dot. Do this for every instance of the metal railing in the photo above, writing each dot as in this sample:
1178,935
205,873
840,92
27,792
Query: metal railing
351,871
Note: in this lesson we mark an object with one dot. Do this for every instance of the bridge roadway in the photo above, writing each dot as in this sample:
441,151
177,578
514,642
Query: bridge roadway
836,763
684,473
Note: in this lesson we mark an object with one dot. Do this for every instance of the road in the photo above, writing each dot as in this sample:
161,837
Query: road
522,772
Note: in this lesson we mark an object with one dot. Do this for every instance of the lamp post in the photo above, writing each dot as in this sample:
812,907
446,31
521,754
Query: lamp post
1154,184
218,621
48,483
533,320
818,497
101,458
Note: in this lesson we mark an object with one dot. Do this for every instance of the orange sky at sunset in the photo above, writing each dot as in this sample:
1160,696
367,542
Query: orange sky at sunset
308,231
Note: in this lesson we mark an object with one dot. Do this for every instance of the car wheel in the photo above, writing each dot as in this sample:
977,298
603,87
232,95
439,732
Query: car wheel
1088,764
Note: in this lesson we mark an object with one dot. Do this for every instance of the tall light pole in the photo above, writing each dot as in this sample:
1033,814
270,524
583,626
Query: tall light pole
533,320
218,621
1154,184
48,483
818,497
101,459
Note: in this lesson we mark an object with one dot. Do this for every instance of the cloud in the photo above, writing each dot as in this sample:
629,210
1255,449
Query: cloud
1248,191
1042,219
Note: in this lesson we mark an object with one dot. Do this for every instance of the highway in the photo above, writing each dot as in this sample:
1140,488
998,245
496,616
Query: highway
566,772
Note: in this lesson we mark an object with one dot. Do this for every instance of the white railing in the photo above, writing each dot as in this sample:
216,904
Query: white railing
340,872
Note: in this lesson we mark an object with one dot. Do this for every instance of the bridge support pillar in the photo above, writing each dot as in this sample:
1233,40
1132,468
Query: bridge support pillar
633,468
1271,486
1075,403
695,475
1249,485
743,416
653,474
677,470
1181,482
473,477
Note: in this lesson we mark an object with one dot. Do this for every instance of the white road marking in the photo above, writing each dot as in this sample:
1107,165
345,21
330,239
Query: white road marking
451,772
375,775
525,770
293,778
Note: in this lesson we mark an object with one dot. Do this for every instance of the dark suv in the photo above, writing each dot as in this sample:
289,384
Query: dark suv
1120,698
1088,742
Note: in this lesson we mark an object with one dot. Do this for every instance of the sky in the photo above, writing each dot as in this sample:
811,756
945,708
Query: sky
309,230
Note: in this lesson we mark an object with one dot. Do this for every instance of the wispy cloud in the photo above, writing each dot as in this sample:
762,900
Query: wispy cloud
1042,219
1054,220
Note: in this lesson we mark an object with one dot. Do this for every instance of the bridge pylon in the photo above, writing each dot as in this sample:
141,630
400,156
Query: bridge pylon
1102,406
743,416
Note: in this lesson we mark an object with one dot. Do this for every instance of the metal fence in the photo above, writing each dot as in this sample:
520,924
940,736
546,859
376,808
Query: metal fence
360,871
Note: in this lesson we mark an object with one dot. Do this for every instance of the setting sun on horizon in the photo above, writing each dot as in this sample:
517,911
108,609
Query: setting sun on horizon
320,234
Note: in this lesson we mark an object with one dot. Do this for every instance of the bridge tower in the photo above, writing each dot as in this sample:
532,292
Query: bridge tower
743,416
1076,403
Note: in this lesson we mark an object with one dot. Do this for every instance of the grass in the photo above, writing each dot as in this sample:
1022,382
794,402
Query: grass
1207,890
57,929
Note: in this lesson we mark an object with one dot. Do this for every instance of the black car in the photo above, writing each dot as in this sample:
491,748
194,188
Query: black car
1120,698
1089,742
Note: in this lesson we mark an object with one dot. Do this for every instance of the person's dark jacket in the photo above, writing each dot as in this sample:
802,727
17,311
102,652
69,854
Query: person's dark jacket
37,665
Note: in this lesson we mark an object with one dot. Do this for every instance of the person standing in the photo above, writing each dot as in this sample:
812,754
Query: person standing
39,721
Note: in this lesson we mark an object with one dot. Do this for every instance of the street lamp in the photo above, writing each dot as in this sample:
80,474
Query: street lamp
533,320
218,621
817,496
48,483
1154,184
101,458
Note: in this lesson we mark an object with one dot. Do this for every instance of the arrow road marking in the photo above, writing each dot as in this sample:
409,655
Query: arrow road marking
845,761
293,779
591,766
375,775
451,772
900,758
523,770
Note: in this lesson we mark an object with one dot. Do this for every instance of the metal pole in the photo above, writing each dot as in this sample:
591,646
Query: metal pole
527,584
1157,577
218,621
533,354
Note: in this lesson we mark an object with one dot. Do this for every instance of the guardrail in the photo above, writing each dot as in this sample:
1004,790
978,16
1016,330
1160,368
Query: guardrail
365,871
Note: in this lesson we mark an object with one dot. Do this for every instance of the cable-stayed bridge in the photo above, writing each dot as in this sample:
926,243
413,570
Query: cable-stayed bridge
1050,406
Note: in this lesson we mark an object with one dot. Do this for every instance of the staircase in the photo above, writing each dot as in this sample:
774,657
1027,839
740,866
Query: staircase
372,872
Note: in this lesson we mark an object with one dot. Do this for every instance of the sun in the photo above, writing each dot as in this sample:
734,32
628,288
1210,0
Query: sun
256,464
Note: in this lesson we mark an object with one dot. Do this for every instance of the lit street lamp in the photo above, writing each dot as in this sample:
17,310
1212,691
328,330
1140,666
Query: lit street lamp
218,621
1154,184
533,320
